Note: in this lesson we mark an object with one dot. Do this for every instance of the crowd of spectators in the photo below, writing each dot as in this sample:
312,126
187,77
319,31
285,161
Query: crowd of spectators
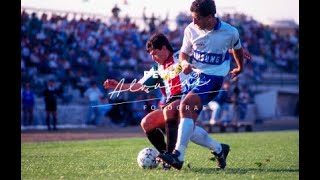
266,43
77,51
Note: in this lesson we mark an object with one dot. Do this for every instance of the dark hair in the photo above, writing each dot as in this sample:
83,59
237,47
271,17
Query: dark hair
93,83
203,7
51,80
156,41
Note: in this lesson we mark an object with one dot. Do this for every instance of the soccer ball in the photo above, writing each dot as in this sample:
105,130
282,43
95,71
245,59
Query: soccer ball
147,158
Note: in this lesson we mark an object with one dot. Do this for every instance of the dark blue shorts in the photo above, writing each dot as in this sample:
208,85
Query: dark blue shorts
205,86
171,99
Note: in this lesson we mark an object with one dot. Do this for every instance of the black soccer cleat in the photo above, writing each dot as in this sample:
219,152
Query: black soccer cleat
158,159
222,156
172,159
166,166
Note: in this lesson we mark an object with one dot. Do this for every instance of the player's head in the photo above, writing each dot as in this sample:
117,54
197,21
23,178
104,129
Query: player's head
226,85
159,47
27,85
93,83
203,11
51,82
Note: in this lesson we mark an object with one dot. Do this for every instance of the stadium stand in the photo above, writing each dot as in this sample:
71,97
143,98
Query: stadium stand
77,48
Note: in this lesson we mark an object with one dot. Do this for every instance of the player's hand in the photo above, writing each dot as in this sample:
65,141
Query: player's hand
235,72
110,84
187,68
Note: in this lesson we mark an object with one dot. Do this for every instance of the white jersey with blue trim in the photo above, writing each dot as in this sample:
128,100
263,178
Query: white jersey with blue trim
210,49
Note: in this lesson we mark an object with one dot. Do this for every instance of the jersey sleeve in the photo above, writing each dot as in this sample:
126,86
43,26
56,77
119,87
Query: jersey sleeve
151,78
186,42
236,44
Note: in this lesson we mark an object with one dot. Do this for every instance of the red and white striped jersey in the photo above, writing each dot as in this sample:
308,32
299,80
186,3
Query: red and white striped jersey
167,75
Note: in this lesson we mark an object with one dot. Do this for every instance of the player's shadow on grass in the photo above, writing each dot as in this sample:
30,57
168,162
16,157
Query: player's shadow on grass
238,170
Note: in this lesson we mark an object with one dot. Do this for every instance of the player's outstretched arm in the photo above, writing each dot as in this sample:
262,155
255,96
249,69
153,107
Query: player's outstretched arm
112,84
238,57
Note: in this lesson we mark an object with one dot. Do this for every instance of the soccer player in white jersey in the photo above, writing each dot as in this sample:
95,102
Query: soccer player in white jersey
208,40
167,73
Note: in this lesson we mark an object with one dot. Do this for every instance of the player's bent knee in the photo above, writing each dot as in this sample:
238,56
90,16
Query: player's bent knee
185,107
189,110
144,125
149,124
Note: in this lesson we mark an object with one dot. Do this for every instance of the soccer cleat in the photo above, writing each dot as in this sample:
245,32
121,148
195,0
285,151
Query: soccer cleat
158,159
222,156
166,166
172,159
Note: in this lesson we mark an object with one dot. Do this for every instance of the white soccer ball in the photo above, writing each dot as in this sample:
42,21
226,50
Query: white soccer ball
147,158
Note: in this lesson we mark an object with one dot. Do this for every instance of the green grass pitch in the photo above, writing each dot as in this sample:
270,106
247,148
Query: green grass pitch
254,155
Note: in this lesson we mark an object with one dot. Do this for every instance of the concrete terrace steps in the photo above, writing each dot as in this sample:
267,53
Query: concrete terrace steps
280,78
278,75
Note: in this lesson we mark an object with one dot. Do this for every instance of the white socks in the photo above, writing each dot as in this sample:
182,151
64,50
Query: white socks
185,131
202,138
